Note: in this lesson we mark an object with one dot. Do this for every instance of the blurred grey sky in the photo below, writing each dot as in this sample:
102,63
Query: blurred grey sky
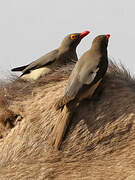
31,28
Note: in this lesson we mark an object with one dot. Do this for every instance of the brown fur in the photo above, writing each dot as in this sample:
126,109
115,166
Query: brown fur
99,143
7,117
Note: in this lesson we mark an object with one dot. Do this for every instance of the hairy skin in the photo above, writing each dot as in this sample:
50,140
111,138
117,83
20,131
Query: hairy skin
99,143
7,117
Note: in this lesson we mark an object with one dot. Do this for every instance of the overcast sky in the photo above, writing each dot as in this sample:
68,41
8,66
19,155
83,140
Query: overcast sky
31,28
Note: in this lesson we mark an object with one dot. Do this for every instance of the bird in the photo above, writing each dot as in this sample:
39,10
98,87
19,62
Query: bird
66,53
82,83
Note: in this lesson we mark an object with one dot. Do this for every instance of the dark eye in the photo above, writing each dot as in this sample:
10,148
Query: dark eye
73,36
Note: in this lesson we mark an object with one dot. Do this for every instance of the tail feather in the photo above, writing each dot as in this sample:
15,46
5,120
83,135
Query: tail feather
60,127
61,102
19,68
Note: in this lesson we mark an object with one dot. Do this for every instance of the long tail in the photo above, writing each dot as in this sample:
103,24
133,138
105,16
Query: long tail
19,68
60,127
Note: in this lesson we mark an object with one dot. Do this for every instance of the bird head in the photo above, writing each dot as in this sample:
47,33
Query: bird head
101,42
72,40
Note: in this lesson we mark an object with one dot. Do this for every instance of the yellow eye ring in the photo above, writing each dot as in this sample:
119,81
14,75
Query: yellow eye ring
73,36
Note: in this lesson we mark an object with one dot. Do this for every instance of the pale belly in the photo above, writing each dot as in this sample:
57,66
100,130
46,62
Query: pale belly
36,74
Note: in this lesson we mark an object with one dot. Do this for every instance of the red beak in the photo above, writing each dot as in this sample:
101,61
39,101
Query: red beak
108,36
84,33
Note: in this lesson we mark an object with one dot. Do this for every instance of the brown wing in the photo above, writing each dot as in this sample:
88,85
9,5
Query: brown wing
43,61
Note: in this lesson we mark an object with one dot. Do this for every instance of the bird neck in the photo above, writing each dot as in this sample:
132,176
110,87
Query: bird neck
99,50
67,50
67,55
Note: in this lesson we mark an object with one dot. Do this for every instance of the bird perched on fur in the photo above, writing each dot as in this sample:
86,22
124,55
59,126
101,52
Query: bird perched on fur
82,83
66,53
